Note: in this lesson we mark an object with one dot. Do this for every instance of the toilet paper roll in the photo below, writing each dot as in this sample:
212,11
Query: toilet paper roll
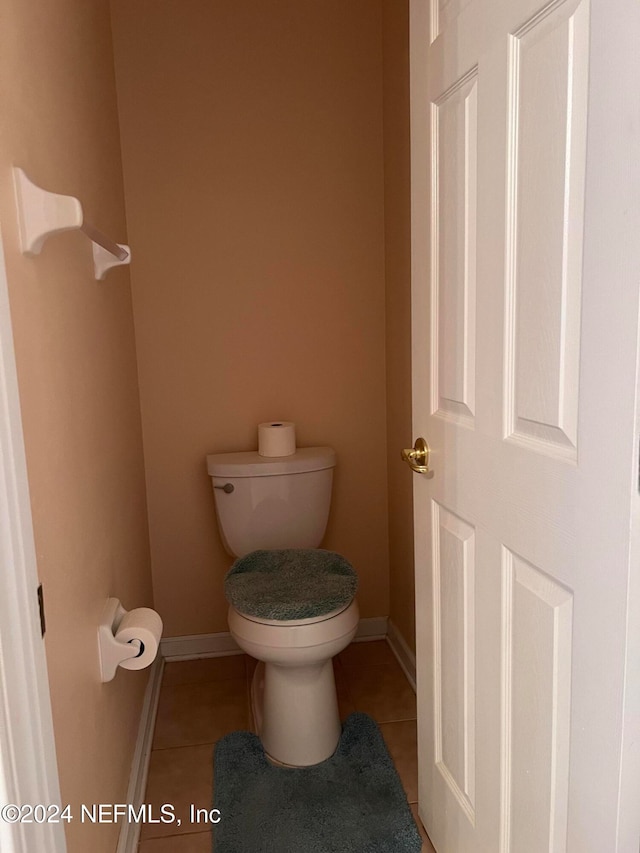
277,438
144,625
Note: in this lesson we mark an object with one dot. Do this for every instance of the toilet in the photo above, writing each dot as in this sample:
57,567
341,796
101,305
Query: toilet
292,605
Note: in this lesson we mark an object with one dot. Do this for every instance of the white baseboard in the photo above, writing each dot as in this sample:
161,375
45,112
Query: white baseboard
221,644
194,646
372,628
130,831
403,653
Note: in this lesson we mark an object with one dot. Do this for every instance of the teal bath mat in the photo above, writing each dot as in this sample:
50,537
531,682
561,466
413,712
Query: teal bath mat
351,803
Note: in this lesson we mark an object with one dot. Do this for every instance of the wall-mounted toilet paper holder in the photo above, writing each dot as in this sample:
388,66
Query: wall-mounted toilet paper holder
112,650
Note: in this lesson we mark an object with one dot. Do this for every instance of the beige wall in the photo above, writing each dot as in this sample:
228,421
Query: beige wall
398,310
78,388
252,151
255,179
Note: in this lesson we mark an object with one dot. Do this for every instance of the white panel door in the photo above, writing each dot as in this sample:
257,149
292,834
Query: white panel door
526,272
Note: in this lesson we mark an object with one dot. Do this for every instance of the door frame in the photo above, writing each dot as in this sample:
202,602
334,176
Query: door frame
619,21
28,766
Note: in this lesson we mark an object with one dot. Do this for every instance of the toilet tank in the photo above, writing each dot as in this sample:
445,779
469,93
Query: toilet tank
275,502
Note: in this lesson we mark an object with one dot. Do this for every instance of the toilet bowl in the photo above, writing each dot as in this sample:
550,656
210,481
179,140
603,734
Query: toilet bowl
293,694
280,505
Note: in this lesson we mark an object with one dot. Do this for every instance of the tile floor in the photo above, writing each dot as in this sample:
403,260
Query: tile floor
201,700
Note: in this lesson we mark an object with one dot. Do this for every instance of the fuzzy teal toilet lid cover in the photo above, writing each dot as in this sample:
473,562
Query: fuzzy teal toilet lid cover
295,583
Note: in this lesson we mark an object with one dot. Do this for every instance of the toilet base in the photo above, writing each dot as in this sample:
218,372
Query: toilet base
296,712
293,692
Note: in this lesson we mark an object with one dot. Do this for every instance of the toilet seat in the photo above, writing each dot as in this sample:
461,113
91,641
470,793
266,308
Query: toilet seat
290,585
268,639
294,623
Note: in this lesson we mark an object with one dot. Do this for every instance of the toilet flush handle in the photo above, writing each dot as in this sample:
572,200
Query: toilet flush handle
227,488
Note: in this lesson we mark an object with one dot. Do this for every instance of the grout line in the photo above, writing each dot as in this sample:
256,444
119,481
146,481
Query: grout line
191,683
189,745
386,722
180,834
242,677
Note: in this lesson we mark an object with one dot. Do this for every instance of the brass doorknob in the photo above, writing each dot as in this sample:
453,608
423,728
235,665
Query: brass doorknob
417,458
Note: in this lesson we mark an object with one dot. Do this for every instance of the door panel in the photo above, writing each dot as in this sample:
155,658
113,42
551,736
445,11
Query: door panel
547,120
536,678
454,141
454,605
443,12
